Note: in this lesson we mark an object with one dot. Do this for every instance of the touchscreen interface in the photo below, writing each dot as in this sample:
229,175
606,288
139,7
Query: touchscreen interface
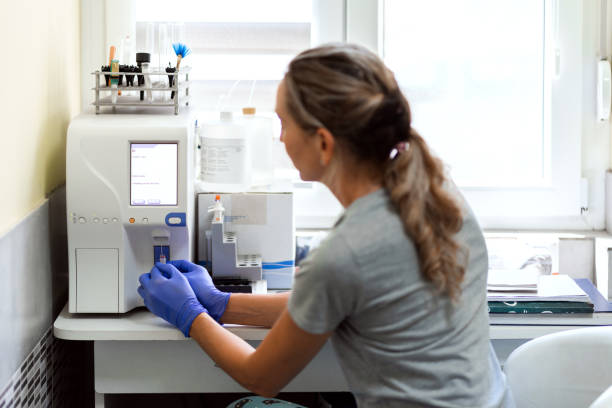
154,174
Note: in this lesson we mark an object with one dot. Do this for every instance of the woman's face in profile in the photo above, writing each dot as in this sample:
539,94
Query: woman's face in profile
300,146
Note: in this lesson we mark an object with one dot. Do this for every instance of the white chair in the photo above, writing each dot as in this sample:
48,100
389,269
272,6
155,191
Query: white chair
604,400
569,369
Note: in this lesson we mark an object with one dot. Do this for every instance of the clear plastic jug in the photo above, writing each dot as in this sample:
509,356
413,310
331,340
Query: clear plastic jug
225,155
260,132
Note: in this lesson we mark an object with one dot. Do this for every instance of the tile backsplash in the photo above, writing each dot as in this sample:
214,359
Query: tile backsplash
37,370
54,374
33,382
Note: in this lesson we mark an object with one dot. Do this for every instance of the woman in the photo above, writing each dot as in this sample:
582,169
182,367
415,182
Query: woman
398,284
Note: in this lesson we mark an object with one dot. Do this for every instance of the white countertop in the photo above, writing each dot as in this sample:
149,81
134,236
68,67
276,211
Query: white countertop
139,324
142,325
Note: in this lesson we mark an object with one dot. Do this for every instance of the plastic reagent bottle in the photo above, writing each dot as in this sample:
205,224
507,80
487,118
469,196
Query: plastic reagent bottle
260,134
225,160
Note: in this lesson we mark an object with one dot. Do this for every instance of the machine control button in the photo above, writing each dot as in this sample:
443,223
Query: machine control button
176,219
145,220
96,220
115,219
105,220
82,220
132,220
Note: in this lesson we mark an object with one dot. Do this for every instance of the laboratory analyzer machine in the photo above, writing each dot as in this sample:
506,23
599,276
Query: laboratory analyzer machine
130,203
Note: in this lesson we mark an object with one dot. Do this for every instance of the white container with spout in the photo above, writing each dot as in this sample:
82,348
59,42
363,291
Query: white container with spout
225,155
260,131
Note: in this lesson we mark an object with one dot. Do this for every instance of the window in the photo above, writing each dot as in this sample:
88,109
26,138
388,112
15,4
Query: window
487,95
476,85
503,90
240,48
234,39
498,89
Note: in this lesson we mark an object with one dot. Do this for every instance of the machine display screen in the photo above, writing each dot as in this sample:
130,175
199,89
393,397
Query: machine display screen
154,174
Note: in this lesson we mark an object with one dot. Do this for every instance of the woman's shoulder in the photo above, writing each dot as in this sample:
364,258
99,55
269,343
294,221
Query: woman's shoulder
332,261
374,230
333,251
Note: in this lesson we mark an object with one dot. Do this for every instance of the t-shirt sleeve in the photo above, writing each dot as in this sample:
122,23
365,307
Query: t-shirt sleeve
326,288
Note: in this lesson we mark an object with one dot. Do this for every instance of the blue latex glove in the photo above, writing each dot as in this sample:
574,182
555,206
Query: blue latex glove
166,293
209,296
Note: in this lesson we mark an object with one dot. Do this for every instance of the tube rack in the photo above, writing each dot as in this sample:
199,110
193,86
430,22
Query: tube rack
128,100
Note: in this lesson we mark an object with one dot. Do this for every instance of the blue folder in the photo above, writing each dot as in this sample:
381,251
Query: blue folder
600,304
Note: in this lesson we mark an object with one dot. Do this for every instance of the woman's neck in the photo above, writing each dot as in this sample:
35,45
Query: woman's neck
348,186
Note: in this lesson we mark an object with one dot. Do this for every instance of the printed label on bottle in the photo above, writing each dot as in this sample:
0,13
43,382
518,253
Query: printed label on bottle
224,160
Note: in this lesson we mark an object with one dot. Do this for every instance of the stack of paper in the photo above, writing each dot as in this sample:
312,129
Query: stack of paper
550,288
519,280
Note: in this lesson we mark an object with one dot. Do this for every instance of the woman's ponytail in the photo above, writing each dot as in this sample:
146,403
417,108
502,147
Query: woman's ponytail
431,216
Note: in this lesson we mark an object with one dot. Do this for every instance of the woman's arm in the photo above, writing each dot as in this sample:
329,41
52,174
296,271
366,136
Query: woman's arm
283,353
236,308
255,310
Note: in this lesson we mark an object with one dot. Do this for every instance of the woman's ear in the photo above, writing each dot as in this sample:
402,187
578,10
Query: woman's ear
325,144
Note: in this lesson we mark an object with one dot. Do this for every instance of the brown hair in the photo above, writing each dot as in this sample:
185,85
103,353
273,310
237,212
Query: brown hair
349,91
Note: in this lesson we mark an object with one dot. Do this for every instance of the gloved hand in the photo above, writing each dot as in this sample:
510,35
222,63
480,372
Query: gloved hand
166,293
209,296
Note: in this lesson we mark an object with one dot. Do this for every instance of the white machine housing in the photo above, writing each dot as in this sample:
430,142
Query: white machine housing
110,241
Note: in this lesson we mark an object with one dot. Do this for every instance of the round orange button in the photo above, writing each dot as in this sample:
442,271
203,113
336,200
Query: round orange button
132,220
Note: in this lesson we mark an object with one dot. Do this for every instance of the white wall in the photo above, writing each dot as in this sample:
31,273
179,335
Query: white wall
40,94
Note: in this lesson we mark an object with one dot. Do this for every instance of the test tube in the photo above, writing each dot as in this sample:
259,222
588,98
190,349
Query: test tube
163,46
142,58
147,81
178,33
149,45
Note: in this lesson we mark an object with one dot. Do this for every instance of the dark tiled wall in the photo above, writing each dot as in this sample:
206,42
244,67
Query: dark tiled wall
32,383
57,373
37,370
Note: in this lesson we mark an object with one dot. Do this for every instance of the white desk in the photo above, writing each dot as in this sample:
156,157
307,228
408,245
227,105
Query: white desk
140,353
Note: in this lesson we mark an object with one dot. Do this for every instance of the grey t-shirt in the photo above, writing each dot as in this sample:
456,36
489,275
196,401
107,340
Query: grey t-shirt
398,343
